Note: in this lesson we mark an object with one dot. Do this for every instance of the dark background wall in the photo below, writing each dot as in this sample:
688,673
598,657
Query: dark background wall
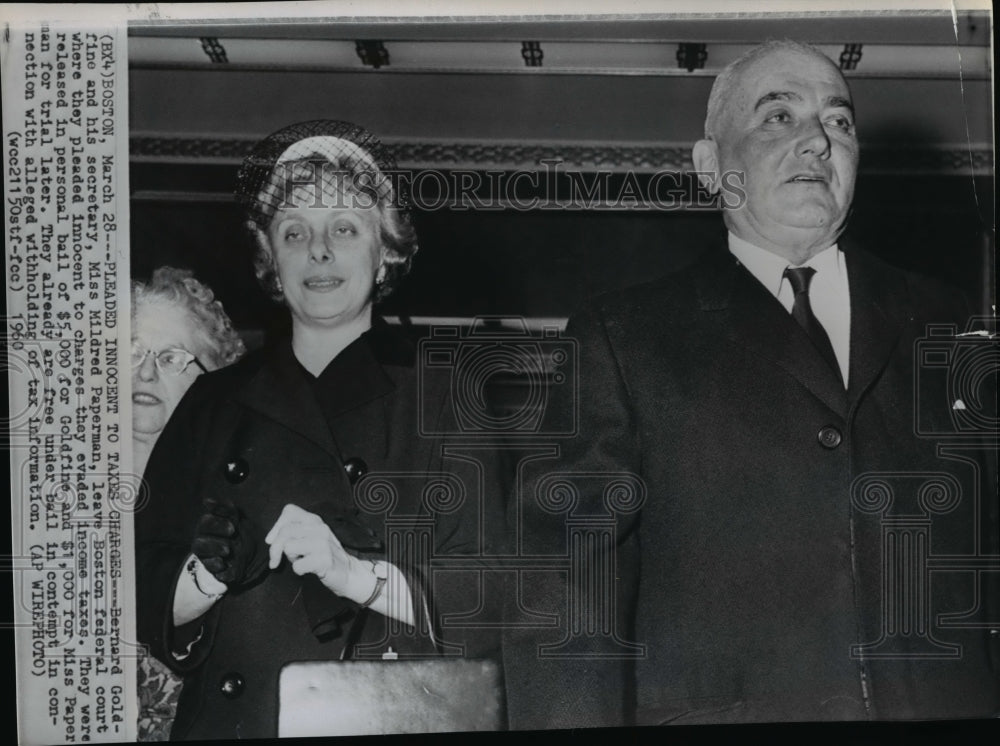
611,95
546,263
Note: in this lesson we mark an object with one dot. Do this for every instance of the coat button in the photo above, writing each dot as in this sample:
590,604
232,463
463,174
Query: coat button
355,468
236,470
232,685
829,437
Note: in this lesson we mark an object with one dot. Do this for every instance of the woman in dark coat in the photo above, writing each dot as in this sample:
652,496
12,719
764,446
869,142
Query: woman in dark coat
298,492
179,331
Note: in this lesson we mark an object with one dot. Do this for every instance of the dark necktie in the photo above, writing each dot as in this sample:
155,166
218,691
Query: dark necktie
800,277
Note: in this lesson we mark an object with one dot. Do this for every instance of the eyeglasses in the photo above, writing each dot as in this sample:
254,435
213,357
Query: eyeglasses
173,361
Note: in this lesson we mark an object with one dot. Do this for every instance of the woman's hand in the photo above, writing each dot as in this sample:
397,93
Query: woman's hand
311,547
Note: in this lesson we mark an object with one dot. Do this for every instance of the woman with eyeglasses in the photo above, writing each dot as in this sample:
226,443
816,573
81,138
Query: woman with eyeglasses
179,331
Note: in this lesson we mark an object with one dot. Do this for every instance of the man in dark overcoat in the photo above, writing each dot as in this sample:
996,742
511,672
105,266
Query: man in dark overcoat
800,540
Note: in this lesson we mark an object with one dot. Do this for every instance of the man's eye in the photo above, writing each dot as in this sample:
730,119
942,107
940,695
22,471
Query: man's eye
778,117
294,234
843,123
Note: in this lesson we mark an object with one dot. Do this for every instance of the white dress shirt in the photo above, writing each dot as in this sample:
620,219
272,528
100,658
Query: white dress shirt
829,293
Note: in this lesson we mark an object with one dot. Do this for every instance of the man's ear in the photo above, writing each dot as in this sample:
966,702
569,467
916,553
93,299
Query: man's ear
705,156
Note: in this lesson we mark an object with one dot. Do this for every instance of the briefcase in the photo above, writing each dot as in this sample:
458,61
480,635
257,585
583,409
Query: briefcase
433,695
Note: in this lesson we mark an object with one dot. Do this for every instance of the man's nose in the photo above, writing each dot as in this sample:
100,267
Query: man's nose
813,139
147,368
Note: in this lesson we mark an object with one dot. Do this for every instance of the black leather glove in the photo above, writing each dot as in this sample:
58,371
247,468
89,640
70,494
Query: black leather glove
229,544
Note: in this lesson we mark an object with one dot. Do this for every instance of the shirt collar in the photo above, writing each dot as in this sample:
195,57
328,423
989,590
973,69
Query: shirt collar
769,268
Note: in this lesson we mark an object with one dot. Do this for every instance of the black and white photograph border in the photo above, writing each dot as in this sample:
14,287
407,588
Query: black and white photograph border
542,154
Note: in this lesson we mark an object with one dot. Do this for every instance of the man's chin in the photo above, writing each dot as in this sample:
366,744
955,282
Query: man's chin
810,220
810,212
795,228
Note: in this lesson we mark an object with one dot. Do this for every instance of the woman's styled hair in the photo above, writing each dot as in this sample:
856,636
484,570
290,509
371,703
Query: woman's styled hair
212,325
333,156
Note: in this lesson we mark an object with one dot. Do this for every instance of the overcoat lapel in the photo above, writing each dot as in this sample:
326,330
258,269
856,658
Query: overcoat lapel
880,308
755,319
353,394
281,392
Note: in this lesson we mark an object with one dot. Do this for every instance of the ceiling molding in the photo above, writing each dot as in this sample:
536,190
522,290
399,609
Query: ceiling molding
966,27
475,155
895,60
977,159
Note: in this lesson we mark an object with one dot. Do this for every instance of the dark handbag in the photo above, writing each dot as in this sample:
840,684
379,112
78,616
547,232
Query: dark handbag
388,696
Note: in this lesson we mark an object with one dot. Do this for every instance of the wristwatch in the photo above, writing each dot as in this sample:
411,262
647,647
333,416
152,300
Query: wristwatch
381,573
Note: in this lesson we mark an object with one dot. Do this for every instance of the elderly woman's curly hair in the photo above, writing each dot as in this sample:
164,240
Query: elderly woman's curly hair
212,325
351,160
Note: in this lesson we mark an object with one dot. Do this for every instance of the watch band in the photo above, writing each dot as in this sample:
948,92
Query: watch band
379,585
193,566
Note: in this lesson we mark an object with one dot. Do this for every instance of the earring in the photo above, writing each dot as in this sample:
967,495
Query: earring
277,284
380,275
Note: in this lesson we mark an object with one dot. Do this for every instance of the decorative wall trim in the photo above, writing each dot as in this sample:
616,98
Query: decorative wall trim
531,52
976,159
372,53
215,51
527,156
851,56
692,56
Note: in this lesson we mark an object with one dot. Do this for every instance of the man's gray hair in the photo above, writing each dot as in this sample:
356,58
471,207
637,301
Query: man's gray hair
722,89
